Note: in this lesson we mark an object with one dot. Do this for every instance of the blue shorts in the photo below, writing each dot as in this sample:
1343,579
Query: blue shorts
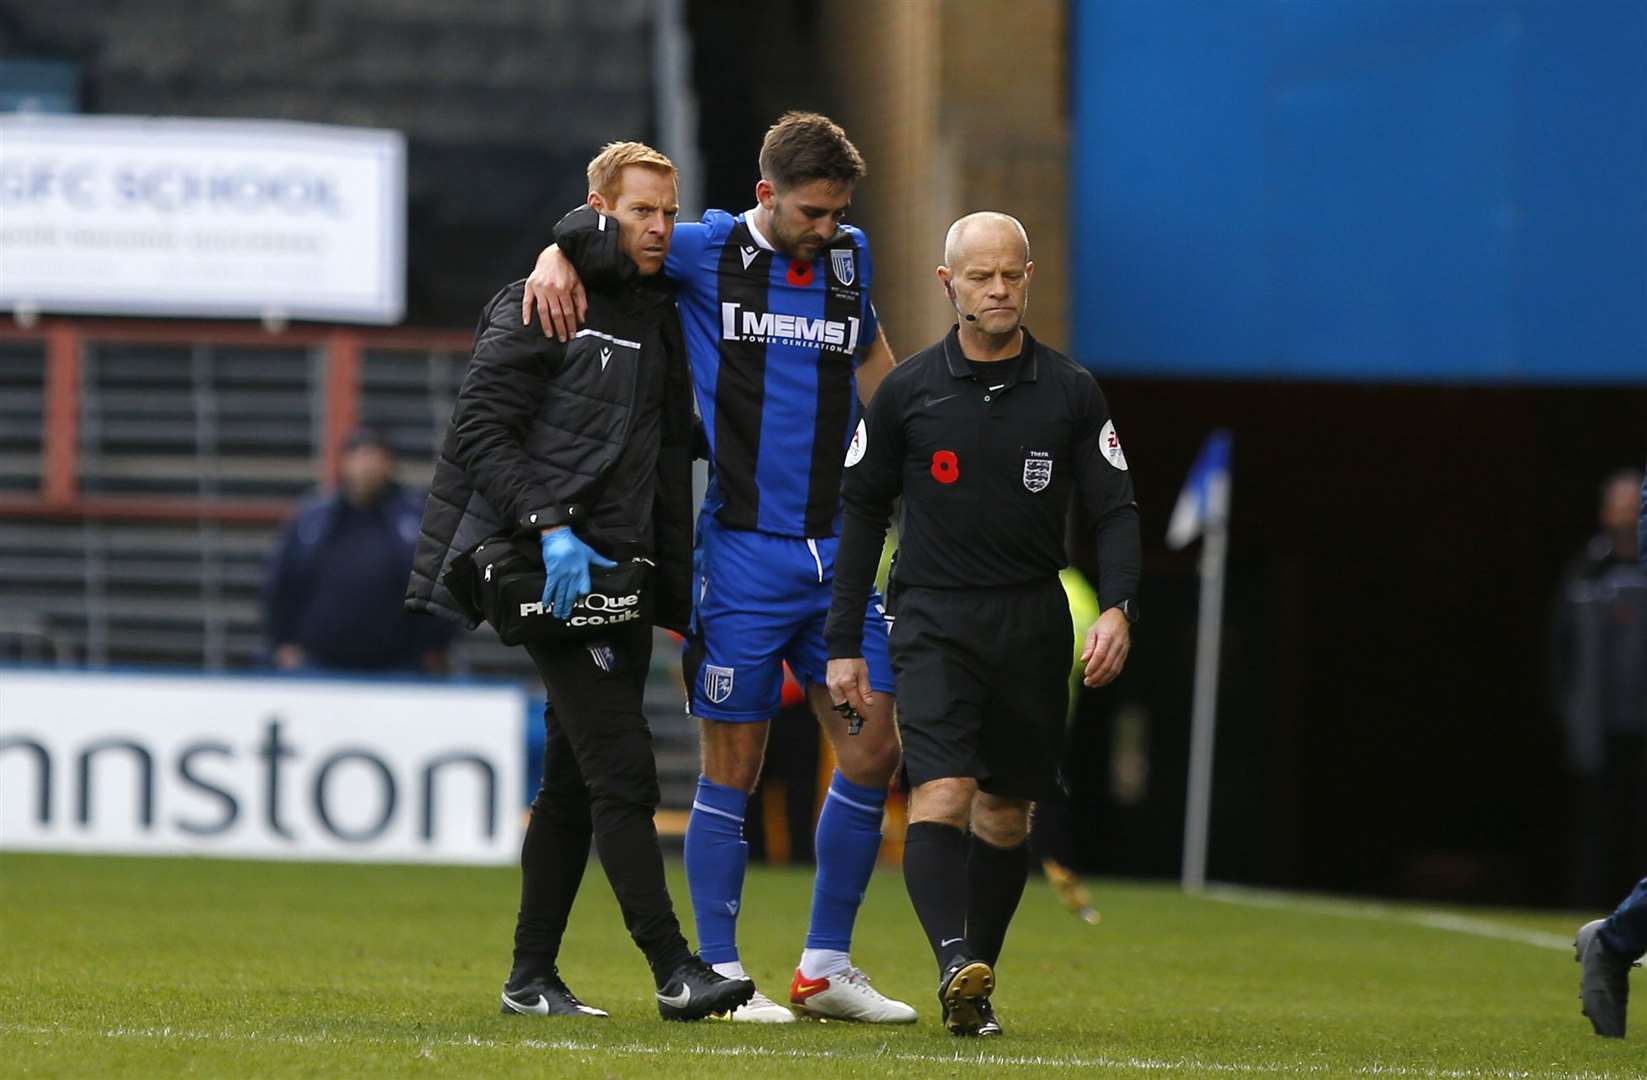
761,601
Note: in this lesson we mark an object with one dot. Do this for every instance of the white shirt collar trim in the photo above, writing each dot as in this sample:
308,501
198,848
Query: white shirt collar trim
754,230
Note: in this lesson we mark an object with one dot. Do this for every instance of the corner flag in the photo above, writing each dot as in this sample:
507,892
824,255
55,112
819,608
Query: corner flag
1206,496
1203,510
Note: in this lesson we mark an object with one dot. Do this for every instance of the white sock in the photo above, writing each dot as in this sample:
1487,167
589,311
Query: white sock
730,969
822,963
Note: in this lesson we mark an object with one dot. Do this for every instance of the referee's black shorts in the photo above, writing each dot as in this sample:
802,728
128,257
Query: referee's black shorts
983,684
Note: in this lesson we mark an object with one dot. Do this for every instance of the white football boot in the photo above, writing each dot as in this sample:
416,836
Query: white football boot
759,1009
846,995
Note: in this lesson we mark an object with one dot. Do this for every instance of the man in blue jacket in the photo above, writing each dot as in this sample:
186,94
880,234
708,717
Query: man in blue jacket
332,598
1607,948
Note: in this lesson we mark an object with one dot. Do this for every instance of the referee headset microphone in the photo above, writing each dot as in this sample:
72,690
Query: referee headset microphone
956,304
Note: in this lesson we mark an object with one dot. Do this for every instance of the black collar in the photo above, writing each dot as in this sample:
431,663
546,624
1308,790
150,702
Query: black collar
956,359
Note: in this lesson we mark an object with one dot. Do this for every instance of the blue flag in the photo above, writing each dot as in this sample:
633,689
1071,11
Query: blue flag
1205,499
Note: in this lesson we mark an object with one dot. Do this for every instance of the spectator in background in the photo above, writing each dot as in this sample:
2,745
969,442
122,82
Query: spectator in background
1601,685
1607,948
332,598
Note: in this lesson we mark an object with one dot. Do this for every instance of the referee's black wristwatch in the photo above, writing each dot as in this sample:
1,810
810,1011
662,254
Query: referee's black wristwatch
1129,608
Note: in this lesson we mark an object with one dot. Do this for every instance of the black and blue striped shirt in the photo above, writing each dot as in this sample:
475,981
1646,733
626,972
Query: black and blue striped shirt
774,345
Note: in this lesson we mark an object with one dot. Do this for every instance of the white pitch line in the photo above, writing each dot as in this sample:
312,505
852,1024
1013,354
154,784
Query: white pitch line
1130,1064
1351,909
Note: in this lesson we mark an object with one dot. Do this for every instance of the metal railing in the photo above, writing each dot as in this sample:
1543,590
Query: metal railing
76,404
145,466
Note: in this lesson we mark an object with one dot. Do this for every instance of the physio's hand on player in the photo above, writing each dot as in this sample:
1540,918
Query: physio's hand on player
848,680
1105,652
557,292
566,562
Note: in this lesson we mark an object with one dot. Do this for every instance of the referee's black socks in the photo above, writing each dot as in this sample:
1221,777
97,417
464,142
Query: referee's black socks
935,873
995,883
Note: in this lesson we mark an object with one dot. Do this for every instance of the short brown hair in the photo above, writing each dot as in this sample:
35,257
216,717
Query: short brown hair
606,168
802,147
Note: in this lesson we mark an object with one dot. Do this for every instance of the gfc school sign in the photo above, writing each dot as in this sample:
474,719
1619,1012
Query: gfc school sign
154,216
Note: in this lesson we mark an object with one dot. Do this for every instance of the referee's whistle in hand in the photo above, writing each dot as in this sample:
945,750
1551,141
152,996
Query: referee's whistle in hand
848,681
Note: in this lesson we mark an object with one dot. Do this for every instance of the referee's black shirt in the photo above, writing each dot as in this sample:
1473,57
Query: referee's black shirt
986,466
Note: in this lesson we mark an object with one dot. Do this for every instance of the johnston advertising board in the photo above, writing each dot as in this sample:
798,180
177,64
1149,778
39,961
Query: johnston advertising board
260,767
156,216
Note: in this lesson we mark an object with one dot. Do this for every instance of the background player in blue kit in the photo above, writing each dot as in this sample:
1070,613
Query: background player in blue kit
784,346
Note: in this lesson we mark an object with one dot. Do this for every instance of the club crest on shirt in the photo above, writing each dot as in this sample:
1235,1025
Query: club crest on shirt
842,263
717,683
1037,470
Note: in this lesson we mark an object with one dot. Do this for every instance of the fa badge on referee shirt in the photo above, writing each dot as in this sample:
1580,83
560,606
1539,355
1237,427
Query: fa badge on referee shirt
1037,470
840,261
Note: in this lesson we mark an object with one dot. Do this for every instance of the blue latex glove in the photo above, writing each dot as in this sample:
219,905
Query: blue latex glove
566,562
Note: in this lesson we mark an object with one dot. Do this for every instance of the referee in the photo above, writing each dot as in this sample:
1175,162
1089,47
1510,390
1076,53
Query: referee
985,435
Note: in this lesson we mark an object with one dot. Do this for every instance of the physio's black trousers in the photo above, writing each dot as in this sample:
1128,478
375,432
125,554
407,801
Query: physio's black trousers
600,783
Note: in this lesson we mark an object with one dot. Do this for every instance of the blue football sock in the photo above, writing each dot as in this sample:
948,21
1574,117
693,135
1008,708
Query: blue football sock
1625,931
716,856
848,839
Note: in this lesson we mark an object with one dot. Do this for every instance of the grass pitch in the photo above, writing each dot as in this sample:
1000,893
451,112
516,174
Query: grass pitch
165,967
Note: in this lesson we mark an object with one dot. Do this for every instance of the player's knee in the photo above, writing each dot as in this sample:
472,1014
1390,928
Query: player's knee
870,763
737,773
732,753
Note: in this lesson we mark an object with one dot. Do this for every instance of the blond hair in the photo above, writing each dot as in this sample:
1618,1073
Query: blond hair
606,168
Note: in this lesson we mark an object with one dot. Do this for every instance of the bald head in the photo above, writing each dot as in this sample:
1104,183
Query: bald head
986,273
987,229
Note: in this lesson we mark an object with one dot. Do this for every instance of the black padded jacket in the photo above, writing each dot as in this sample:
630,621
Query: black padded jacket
538,425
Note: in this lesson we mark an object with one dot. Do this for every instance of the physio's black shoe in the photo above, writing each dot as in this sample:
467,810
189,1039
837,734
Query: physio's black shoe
1604,981
692,990
545,995
966,982
988,1026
